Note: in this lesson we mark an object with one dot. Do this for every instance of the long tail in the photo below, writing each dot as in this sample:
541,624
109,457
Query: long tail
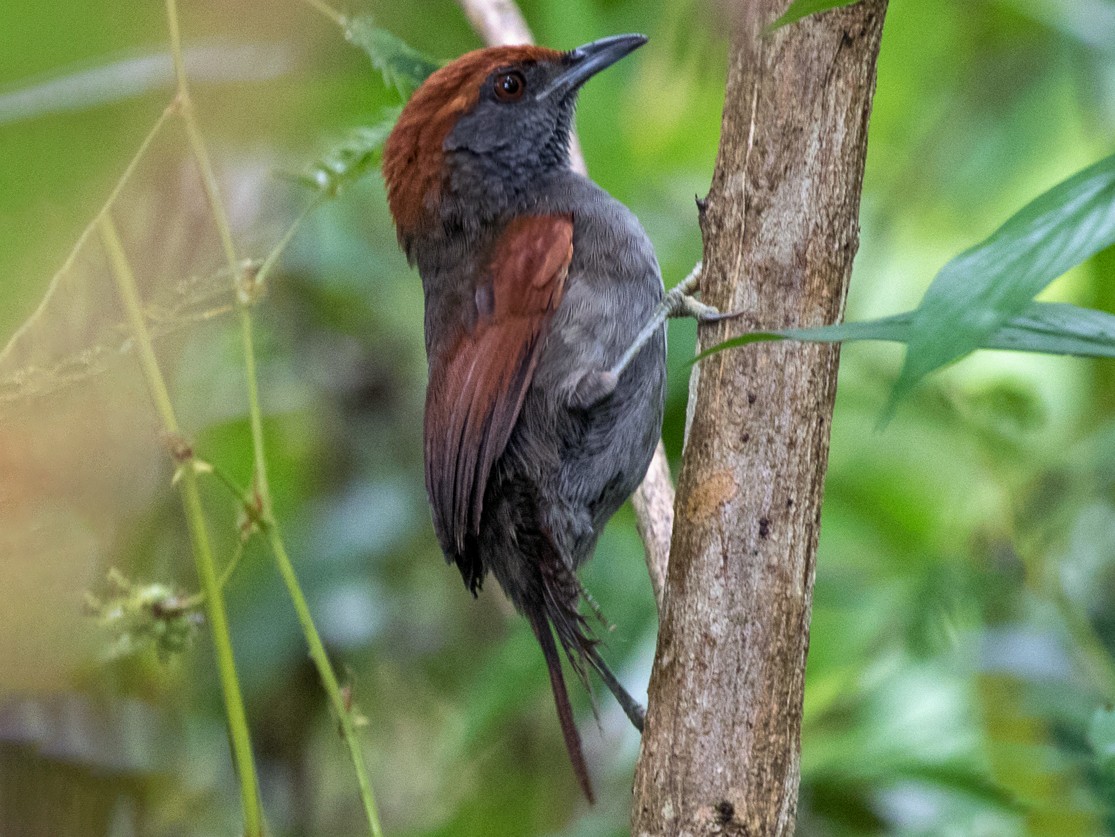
541,625
631,707
561,595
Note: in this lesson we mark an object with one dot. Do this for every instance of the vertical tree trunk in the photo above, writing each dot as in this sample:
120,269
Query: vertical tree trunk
720,754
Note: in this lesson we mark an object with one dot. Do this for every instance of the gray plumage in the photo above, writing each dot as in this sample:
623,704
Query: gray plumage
531,443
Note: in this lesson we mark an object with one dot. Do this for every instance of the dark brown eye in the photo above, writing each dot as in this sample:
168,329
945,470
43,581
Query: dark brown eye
510,86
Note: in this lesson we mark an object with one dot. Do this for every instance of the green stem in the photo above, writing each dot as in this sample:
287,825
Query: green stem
79,246
294,589
328,678
199,534
1089,646
278,250
233,563
255,413
197,142
198,599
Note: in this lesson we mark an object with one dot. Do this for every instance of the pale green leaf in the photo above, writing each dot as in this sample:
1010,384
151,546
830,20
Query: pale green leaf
987,286
803,8
401,65
1045,327
350,159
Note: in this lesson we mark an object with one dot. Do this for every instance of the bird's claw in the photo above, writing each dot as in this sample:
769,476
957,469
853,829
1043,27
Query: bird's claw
684,305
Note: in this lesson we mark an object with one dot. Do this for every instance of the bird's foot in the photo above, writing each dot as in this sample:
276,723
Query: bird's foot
678,302
684,305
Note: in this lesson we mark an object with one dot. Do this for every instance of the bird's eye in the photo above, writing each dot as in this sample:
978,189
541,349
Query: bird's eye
510,86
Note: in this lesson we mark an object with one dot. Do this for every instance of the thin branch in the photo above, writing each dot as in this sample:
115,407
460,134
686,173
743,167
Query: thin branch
88,231
277,251
341,706
500,22
197,142
199,534
329,12
654,519
497,22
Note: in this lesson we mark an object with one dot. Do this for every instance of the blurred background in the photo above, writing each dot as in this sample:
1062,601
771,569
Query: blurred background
962,648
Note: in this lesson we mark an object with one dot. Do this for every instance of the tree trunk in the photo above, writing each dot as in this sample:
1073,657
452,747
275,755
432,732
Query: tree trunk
720,753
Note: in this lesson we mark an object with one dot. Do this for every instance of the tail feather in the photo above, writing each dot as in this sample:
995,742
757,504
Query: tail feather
552,609
541,626
631,707
561,593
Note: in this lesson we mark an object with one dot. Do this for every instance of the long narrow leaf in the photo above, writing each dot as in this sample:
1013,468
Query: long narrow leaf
1053,328
803,8
987,286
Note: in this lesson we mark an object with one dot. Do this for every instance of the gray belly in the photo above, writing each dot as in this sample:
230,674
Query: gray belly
585,463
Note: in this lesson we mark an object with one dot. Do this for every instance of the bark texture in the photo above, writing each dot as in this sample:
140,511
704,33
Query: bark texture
720,753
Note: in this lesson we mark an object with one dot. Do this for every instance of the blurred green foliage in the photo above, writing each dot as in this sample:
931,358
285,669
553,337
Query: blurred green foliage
960,676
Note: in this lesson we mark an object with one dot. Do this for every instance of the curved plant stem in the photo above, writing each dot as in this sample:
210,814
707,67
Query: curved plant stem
290,579
261,500
340,704
199,534
1089,646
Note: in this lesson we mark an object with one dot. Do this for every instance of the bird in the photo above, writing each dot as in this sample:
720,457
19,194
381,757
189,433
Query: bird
546,349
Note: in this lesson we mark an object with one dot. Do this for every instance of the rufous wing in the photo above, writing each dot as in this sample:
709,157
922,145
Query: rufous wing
478,383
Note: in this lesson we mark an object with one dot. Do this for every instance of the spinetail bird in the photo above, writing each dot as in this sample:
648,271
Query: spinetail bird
544,336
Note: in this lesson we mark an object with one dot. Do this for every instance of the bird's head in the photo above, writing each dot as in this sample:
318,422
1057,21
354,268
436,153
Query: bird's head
485,127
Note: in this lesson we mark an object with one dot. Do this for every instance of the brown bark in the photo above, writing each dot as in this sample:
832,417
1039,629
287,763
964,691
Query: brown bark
720,753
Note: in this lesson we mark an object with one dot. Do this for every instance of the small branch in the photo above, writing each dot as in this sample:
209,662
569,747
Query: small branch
329,12
196,601
654,518
197,142
277,251
500,22
497,22
341,705
199,534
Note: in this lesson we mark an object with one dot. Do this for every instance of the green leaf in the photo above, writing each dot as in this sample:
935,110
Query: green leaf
803,8
401,65
985,287
349,160
1054,328
1101,735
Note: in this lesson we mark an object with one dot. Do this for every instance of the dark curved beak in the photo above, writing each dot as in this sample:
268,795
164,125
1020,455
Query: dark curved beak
584,62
